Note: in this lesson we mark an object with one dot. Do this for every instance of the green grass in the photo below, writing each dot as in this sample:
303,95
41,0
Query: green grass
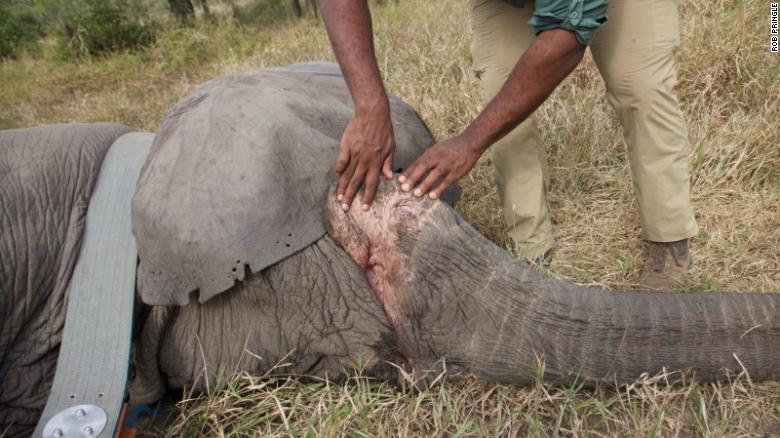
730,93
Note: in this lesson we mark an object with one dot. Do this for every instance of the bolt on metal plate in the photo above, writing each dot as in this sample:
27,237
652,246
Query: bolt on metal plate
80,421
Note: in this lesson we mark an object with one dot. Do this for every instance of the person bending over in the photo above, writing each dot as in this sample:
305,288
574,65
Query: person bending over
522,50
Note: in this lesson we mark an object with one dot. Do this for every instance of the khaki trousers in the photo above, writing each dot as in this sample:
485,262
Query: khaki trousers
634,54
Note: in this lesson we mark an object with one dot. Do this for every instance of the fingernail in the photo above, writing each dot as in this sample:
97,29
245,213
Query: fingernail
340,197
365,207
401,178
417,192
345,206
434,195
406,187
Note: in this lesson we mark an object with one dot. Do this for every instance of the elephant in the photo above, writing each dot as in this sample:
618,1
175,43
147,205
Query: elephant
247,264
48,174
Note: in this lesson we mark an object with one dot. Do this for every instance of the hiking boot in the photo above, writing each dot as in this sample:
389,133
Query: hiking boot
667,265
543,260
531,254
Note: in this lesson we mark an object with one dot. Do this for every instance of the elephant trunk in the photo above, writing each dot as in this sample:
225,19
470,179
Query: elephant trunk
451,294
593,335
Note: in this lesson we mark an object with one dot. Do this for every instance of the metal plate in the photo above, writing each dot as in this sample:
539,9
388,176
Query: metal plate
80,421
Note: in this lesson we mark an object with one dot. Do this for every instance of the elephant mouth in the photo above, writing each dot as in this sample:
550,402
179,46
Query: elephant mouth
372,239
375,270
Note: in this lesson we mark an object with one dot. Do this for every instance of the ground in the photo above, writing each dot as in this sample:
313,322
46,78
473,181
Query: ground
730,93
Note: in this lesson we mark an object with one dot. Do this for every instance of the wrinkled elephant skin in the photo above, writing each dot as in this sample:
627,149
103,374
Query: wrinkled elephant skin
451,294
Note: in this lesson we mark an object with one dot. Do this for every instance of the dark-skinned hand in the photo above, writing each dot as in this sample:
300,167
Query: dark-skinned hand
367,148
445,163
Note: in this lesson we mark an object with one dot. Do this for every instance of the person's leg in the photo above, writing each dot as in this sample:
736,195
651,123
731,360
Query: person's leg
634,52
500,35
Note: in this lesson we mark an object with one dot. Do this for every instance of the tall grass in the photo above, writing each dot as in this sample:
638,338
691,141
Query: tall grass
246,406
730,93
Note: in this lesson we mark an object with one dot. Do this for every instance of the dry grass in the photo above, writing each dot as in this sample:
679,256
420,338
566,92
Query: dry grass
730,91
249,406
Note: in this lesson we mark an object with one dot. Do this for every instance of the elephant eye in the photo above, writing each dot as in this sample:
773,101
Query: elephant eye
404,203
406,208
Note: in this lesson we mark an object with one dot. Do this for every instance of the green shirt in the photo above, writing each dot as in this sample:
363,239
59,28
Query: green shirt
583,17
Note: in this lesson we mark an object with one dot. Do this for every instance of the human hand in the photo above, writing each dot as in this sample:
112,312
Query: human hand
367,148
445,163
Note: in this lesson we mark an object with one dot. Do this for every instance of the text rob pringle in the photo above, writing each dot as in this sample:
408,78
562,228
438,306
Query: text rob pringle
773,30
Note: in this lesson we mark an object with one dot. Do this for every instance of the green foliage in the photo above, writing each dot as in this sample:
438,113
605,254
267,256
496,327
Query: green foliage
97,27
20,28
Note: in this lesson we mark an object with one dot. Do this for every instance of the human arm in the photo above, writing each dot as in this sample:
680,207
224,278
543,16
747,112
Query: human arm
547,61
367,146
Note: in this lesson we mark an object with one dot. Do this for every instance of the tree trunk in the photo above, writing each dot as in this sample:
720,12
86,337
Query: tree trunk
311,6
205,7
297,8
182,10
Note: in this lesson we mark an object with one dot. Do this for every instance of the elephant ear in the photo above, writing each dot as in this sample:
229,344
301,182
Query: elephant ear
238,176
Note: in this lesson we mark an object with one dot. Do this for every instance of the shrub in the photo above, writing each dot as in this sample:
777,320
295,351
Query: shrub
19,28
104,26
